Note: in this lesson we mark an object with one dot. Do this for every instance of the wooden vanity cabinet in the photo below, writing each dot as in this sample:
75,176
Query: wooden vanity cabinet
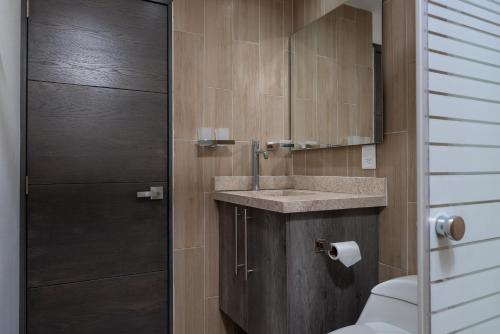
272,281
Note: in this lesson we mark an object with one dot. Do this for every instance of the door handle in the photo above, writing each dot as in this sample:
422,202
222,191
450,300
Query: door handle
154,193
451,227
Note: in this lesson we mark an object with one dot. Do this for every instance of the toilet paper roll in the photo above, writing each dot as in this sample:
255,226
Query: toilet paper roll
346,252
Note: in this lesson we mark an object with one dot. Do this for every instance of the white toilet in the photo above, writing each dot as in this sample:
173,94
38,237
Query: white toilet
391,309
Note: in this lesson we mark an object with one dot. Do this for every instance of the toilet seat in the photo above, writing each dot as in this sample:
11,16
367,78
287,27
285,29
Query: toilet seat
371,328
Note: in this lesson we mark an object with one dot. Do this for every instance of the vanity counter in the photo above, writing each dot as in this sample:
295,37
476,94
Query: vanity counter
296,194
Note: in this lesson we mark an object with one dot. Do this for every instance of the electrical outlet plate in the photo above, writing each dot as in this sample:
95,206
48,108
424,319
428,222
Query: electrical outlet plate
369,157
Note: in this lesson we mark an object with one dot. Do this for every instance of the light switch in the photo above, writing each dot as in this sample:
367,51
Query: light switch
369,157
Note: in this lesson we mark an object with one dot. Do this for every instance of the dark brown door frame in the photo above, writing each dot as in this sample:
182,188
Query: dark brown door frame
22,182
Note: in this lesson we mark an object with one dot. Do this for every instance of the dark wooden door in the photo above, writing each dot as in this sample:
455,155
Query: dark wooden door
97,256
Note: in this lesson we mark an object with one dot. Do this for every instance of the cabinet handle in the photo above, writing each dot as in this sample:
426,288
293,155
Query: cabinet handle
246,243
236,265
245,217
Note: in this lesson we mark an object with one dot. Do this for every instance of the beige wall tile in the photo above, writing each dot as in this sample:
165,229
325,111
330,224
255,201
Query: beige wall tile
304,64
412,239
304,113
365,99
315,162
211,247
363,38
410,32
286,56
299,162
188,196
347,40
395,66
278,163
189,307
246,91
218,111
327,105
219,35
246,20
312,10
242,163
335,162
327,36
216,161
216,322
391,161
288,19
273,118
188,15
348,83
386,272
272,41
188,84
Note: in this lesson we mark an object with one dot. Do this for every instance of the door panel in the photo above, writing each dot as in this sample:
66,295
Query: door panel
460,137
84,134
88,231
97,256
267,284
124,305
111,43
233,287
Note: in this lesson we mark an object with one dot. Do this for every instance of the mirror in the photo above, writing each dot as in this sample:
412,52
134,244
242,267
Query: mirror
336,78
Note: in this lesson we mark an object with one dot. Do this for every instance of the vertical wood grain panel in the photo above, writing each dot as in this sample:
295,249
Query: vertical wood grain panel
246,91
188,87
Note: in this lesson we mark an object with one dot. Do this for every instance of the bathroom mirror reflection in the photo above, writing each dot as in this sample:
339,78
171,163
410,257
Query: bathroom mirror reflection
336,77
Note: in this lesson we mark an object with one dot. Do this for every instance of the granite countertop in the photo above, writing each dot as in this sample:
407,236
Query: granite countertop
303,193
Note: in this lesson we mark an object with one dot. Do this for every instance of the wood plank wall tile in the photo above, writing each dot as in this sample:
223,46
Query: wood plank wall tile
188,196
229,94
246,91
218,34
188,15
189,314
246,19
392,164
188,87
230,71
399,147
272,42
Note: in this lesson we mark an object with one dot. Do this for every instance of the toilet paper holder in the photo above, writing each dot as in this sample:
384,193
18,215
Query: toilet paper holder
347,252
321,246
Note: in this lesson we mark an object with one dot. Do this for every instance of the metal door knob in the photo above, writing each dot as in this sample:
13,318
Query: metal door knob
452,227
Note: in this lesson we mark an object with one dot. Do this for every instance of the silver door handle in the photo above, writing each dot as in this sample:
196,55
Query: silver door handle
452,227
154,193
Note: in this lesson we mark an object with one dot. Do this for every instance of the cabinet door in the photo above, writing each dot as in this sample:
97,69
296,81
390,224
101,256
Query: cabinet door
267,301
233,286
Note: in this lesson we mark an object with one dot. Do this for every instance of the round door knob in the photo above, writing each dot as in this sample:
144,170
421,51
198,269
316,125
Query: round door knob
452,227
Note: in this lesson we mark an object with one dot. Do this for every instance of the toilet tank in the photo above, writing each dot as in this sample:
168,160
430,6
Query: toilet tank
393,302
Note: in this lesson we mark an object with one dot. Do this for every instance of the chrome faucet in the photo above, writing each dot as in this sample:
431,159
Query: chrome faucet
256,152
